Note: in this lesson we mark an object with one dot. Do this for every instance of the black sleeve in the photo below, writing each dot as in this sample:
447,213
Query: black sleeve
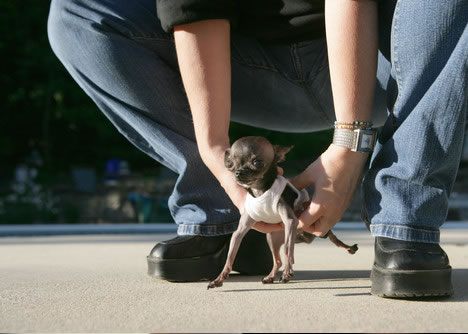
174,12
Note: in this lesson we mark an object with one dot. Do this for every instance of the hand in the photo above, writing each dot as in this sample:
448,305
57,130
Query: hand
214,159
238,195
335,175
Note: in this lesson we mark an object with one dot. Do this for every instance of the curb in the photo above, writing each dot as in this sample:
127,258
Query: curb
10,230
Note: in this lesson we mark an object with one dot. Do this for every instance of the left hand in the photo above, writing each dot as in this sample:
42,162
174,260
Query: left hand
335,175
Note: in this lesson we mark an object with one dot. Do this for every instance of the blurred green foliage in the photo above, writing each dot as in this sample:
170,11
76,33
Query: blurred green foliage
44,109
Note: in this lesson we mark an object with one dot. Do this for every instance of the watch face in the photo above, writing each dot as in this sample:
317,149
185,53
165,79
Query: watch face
366,142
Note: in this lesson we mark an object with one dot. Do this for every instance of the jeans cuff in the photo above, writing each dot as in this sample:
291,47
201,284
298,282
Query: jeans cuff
206,229
401,232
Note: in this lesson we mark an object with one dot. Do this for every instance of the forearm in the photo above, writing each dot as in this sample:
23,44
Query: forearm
352,33
351,28
203,53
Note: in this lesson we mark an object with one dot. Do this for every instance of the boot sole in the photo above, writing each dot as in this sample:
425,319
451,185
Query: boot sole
411,283
188,269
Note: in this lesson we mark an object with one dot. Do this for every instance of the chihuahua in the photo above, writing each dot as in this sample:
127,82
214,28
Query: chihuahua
271,198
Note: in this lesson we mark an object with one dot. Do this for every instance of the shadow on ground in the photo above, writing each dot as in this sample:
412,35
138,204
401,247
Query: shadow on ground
459,279
312,276
306,276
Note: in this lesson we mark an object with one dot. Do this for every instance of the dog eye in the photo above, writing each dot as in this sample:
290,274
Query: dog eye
229,164
257,163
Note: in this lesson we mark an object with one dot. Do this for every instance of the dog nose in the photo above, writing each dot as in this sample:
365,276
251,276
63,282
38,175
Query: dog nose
237,173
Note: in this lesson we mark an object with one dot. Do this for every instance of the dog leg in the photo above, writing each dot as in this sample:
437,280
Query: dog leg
245,224
275,240
351,249
303,236
290,222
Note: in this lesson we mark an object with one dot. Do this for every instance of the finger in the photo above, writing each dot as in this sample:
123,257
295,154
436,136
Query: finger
302,208
321,227
301,181
279,170
267,228
307,178
311,214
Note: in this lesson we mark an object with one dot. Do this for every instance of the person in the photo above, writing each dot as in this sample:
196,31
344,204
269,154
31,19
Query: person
171,76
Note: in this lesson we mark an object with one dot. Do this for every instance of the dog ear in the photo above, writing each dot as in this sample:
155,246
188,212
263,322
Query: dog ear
280,152
227,159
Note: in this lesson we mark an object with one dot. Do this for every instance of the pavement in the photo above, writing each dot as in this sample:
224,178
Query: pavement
98,283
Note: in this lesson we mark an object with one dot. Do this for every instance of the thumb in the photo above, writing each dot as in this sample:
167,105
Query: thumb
311,214
304,179
319,228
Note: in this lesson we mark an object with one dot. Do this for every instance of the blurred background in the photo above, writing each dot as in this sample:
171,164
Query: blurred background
62,161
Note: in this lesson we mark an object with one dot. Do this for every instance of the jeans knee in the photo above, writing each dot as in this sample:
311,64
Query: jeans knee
73,25
61,28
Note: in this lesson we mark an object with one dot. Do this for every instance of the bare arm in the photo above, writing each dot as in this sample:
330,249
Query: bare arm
351,28
352,31
203,52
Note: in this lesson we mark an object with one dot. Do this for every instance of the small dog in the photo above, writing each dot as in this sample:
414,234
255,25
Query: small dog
271,199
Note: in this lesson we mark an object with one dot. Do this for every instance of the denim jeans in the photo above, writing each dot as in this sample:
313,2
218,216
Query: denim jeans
119,55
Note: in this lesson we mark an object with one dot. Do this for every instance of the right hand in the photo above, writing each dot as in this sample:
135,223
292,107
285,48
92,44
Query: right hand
214,159
236,193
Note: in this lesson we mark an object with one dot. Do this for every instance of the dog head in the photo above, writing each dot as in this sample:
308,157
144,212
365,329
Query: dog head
252,158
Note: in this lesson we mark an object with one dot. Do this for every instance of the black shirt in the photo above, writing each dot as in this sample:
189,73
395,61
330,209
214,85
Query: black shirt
276,21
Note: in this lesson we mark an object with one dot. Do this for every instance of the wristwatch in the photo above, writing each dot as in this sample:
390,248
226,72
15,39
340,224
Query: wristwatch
357,140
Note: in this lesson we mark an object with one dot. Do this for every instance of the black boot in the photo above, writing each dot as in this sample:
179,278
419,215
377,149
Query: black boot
404,269
196,258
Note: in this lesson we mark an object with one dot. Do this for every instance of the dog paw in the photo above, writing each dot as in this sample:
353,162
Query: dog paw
285,278
268,280
214,284
353,249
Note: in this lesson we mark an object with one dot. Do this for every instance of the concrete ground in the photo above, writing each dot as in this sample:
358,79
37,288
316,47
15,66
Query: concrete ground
99,284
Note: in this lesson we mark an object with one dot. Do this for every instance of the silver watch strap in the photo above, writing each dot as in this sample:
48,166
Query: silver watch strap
357,140
343,138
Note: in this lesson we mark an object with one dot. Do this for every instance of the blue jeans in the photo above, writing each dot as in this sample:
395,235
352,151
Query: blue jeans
120,56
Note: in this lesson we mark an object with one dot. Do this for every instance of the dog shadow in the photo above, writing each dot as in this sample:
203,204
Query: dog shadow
305,276
459,280
311,276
